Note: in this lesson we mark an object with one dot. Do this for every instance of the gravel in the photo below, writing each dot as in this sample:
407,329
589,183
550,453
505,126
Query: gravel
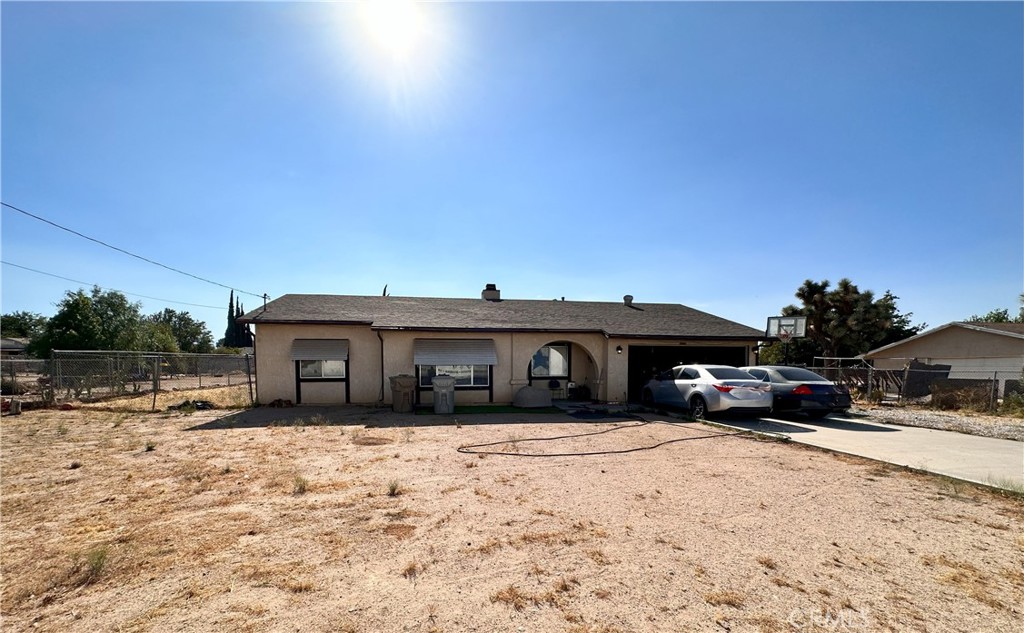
1006,428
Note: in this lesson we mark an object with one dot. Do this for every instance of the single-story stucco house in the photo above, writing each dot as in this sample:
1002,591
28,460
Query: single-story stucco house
331,349
971,350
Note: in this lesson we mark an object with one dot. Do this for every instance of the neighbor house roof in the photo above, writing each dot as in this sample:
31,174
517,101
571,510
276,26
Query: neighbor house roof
650,320
1012,330
12,344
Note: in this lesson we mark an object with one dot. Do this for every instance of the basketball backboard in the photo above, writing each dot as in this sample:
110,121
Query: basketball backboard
796,326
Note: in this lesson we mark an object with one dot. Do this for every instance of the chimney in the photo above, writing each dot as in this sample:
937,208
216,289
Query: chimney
491,293
628,300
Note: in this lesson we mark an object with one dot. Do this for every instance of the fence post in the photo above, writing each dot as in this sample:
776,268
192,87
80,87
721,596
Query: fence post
156,378
993,395
199,370
248,377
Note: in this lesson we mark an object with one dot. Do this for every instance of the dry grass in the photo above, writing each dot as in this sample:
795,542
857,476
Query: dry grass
201,533
233,397
725,598
767,562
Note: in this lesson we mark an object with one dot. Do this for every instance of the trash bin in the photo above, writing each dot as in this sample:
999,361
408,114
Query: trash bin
403,387
444,394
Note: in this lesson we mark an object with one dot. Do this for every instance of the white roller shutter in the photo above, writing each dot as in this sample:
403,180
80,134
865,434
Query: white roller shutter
440,351
319,349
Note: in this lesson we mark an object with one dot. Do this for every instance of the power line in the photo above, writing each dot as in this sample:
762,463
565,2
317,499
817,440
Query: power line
121,250
84,283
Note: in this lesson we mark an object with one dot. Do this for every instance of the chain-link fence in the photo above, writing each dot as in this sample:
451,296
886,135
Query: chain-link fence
131,380
23,377
940,386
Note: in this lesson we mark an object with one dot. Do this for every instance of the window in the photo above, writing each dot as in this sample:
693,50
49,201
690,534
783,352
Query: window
728,373
464,375
551,361
321,369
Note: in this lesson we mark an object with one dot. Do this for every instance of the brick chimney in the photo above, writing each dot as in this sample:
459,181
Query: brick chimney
491,293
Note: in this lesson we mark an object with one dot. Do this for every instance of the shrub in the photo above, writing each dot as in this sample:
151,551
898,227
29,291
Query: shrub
11,387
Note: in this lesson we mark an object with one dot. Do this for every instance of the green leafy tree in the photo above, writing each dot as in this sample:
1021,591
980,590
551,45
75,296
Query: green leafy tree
841,322
75,326
158,337
189,335
121,320
22,324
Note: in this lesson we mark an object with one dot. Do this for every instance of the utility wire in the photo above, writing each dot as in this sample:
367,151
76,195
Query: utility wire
121,250
41,272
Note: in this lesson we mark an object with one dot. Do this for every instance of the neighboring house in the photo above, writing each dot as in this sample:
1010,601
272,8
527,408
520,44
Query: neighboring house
329,349
972,350
13,347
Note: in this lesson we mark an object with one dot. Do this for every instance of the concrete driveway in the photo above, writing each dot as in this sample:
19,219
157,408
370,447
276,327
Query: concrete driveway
983,460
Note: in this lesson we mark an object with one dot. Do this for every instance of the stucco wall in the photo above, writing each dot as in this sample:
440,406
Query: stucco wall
962,348
275,371
594,362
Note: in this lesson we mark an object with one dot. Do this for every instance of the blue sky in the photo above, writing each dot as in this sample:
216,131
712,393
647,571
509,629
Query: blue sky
714,155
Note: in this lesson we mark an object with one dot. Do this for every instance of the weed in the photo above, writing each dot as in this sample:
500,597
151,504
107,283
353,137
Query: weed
1005,483
62,429
317,420
411,570
407,434
88,567
150,446
299,485
727,598
602,594
512,597
226,469
394,488
782,581
480,492
767,562
598,557
470,464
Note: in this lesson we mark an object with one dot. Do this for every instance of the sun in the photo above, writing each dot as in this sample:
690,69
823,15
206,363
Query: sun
397,28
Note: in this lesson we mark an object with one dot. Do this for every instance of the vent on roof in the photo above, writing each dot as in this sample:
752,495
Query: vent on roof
628,300
491,293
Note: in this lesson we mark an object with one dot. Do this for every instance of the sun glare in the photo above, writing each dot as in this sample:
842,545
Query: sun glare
396,27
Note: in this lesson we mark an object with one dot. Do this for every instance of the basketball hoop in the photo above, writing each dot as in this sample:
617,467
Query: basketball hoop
785,335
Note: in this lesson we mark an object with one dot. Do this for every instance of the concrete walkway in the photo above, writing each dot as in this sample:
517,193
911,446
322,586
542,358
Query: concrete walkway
984,460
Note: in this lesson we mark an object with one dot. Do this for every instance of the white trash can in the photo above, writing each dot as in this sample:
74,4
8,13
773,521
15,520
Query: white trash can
444,394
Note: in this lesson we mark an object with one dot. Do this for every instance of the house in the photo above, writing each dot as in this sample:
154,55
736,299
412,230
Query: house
972,351
13,347
330,349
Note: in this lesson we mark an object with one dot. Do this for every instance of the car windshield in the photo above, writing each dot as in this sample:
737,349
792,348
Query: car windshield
796,374
729,373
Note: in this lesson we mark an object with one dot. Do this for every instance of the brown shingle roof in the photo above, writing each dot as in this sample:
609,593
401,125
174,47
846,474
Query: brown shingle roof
1012,328
662,320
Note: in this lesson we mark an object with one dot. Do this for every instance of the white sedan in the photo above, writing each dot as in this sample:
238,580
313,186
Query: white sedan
705,389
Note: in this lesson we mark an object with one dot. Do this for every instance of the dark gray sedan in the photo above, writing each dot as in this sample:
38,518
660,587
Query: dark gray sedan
799,390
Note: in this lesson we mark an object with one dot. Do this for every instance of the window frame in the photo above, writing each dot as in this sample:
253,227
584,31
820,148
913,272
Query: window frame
568,362
477,372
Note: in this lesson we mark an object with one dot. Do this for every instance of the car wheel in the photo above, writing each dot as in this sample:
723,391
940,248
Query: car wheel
647,398
817,415
698,408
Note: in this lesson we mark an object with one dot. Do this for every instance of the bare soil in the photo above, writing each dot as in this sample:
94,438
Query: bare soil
363,520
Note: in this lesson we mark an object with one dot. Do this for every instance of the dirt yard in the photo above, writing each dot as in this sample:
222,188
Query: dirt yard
201,522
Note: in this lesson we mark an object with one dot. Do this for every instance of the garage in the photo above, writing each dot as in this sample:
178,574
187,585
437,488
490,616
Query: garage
646,360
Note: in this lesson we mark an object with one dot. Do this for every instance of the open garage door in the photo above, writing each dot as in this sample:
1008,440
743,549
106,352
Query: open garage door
646,360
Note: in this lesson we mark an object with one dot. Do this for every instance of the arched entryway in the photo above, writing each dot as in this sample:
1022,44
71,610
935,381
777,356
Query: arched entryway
567,368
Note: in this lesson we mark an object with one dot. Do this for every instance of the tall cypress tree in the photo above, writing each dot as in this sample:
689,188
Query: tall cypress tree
229,333
239,328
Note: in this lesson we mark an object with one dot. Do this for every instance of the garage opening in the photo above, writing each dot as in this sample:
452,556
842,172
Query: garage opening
647,360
